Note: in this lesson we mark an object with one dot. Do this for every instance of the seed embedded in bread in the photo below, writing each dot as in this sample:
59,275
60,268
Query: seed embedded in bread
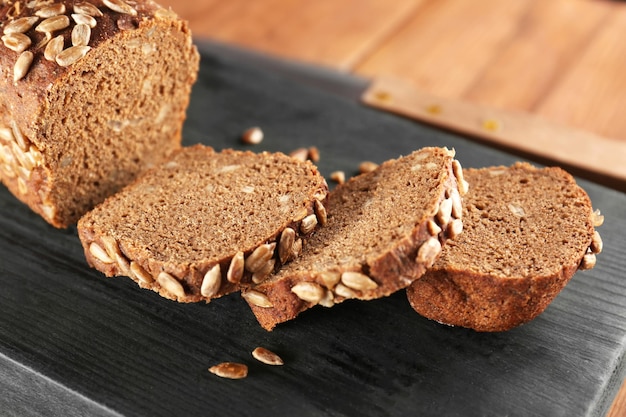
526,231
211,282
310,292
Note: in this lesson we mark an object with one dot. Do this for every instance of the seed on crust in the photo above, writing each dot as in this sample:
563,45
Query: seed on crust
266,356
235,270
455,228
457,204
71,55
22,65
330,279
342,291
83,19
310,292
262,274
259,257
81,34
111,246
358,281
597,219
21,25
87,9
99,253
171,284
211,282
433,228
54,48
21,140
6,134
367,166
230,370
328,300
301,154
17,42
285,245
257,298
588,262
252,136
51,10
123,264
596,243
458,173
52,24
320,212
120,7
141,273
308,224
297,248
428,252
314,154
444,213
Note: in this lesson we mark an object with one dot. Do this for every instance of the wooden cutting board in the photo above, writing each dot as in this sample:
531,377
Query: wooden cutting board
73,342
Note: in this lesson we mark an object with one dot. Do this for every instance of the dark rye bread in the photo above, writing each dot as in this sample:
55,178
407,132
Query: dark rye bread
527,231
204,223
77,125
384,229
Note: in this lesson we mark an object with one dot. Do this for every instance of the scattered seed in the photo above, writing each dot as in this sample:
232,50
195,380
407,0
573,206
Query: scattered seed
87,9
120,7
287,239
99,253
21,25
71,55
252,136
338,176
17,42
53,24
358,281
367,166
257,298
314,154
266,356
235,270
230,370
171,284
51,10
259,257
308,291
53,48
81,34
211,282
428,252
308,224
141,273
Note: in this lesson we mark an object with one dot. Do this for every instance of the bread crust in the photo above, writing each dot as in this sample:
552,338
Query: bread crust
459,292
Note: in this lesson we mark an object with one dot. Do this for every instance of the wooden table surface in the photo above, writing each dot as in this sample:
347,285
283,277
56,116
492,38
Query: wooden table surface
559,63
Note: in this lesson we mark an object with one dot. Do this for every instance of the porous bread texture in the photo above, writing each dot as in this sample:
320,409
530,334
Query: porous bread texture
526,233
383,232
72,135
203,224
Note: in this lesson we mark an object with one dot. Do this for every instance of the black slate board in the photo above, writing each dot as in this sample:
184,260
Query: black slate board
73,342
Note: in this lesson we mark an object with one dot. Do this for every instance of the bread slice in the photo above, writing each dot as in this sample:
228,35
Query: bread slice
205,223
93,93
384,229
527,231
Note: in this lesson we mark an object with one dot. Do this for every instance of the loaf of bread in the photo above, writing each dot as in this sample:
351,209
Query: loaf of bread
93,92
527,231
204,224
384,229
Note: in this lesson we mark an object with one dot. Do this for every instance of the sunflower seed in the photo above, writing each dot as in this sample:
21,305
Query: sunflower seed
297,248
257,298
330,279
6,134
87,9
252,136
17,42
259,257
123,264
343,291
338,176
165,14
445,212
235,270
428,252
53,48
358,281
596,243
301,154
230,370
110,245
22,65
433,228
455,228
367,166
211,282
458,173
262,274
53,24
21,25
308,291
141,273
328,300
308,224
588,262
21,186
51,10
71,55
266,356
83,19
457,204
81,35
20,139
320,211
99,253
171,284
597,219
120,7
287,238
